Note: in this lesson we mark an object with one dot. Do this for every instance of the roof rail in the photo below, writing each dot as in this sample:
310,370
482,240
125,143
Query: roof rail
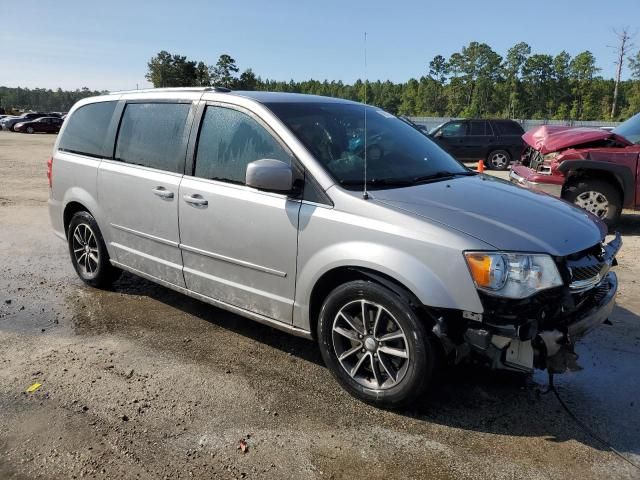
174,89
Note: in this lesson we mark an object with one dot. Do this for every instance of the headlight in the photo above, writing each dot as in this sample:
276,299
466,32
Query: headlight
550,156
512,275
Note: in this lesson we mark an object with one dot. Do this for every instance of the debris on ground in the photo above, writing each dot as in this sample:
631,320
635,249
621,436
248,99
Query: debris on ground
34,387
243,446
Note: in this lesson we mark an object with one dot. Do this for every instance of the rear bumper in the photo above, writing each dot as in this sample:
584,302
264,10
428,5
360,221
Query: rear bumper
56,217
528,178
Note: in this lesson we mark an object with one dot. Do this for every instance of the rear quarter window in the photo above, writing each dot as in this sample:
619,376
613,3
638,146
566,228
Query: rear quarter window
86,130
509,128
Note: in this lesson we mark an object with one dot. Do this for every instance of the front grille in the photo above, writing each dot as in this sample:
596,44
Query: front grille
585,273
586,268
536,160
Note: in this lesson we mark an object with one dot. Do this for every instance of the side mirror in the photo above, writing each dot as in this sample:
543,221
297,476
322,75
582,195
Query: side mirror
438,134
271,175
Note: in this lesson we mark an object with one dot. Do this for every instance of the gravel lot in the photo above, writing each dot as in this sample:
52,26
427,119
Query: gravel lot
141,382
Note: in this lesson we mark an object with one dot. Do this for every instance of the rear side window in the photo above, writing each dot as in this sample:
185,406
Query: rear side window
230,140
86,130
509,128
478,128
153,135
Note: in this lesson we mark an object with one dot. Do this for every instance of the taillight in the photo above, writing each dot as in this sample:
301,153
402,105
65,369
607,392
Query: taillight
50,171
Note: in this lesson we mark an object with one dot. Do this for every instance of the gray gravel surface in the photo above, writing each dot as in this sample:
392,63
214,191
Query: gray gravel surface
141,382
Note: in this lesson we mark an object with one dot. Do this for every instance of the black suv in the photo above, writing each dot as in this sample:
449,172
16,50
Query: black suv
497,142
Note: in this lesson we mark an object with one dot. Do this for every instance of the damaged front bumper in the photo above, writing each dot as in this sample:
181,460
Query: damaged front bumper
550,349
532,180
539,332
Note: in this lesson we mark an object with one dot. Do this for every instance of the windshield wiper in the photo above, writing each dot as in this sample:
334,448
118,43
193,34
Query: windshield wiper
405,182
380,182
441,175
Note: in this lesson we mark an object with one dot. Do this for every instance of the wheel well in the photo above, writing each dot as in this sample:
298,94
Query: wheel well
576,176
338,276
499,149
69,211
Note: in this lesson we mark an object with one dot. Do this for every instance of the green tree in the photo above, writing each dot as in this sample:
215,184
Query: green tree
537,77
582,69
634,89
202,77
515,59
224,73
166,70
247,81
479,71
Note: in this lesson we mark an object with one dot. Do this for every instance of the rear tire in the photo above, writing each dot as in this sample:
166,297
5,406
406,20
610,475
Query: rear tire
88,252
389,361
498,160
598,197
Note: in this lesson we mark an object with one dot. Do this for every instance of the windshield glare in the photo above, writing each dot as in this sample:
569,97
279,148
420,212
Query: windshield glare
334,134
630,129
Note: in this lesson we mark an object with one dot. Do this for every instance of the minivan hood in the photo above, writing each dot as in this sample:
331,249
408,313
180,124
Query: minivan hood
551,138
499,213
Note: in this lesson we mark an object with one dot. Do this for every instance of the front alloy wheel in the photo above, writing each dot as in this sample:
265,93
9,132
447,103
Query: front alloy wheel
375,344
370,344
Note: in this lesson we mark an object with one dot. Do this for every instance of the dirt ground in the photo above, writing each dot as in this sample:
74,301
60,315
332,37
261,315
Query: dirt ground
141,382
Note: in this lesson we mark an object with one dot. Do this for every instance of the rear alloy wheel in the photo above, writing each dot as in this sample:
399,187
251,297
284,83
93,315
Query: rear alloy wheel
597,197
498,160
89,253
374,344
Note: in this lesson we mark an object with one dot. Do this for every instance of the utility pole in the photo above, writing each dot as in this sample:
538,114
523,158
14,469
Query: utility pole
621,50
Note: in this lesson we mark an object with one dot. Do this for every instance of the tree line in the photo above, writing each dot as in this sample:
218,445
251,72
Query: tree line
474,82
41,99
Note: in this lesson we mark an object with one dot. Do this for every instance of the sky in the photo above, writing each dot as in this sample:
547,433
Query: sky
105,45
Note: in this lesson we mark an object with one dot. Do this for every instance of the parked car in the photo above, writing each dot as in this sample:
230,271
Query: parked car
9,123
497,142
258,203
593,168
40,125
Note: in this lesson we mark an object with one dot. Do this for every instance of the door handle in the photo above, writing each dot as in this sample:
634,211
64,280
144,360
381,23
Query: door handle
195,200
162,192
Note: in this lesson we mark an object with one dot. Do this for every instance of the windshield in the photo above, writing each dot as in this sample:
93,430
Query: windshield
630,129
435,129
397,154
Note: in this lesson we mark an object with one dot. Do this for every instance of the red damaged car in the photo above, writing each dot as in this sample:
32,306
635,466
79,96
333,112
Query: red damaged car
593,168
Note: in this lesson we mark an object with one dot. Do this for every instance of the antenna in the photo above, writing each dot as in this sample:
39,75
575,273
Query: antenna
365,195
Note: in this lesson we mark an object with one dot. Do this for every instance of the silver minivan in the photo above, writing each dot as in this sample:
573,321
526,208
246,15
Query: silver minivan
330,220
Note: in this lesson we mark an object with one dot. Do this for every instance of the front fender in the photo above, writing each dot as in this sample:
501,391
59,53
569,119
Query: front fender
412,272
622,174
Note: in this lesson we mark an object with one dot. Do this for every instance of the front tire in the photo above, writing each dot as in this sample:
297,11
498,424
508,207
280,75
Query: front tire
387,359
30,130
498,160
88,252
598,197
